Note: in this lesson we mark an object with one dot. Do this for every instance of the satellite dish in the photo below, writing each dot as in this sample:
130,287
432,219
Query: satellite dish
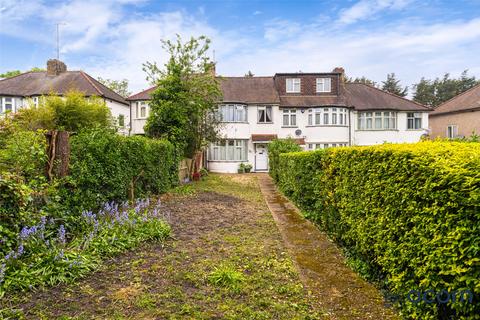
298,132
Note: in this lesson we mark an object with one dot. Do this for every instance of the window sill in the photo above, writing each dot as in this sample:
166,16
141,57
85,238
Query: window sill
140,118
327,125
271,122
245,122
227,161
290,127
421,129
376,130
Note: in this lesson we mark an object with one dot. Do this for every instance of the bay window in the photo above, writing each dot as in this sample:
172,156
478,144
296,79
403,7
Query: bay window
293,85
327,116
414,120
378,120
324,84
264,114
228,150
232,113
289,117
317,145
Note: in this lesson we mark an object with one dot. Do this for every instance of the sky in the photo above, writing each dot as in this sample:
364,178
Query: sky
112,39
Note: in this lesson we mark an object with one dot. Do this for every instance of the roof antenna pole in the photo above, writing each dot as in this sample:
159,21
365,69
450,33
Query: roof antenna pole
58,24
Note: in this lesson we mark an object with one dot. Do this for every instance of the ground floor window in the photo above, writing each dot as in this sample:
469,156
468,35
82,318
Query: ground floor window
452,131
228,150
414,120
121,120
321,145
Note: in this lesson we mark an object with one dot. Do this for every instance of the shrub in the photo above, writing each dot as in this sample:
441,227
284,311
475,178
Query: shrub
48,253
104,165
275,148
408,213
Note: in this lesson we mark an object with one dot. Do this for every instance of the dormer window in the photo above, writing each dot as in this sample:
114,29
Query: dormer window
293,85
324,84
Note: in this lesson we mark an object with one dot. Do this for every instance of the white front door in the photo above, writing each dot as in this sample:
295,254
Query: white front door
261,157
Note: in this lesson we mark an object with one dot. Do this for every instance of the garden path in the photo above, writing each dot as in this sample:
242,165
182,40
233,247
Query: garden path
341,292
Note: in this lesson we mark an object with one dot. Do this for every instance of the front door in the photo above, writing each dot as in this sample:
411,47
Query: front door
261,157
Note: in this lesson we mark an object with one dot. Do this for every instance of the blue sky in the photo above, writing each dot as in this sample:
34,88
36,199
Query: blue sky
112,39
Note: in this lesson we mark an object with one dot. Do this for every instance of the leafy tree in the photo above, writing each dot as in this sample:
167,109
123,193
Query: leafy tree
185,101
119,86
13,73
392,85
435,92
363,80
9,74
72,113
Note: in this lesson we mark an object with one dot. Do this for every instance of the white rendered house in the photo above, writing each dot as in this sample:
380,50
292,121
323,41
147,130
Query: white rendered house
319,110
19,91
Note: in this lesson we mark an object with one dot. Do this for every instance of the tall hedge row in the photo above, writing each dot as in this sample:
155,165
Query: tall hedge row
410,213
275,148
104,165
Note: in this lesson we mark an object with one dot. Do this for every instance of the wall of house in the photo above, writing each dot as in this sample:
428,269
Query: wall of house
117,109
466,122
308,84
400,135
137,121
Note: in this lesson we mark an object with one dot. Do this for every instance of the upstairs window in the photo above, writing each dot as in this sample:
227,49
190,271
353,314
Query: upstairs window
264,114
289,117
414,120
293,85
327,116
324,84
232,113
379,120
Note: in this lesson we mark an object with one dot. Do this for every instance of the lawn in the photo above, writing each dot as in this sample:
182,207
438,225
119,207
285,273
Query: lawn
226,260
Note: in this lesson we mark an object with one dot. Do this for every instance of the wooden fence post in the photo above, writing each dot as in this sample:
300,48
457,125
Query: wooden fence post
58,152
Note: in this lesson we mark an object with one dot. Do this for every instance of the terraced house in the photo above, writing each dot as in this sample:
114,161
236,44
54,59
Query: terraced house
319,110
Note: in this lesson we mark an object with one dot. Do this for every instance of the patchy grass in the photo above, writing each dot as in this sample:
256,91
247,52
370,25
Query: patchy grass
227,262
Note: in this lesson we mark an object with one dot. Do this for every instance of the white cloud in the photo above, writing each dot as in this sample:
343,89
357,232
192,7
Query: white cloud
364,9
107,40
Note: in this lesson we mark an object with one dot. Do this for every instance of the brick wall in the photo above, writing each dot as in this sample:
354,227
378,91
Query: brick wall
308,84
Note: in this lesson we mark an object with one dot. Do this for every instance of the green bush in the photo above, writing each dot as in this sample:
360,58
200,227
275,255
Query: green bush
275,148
104,164
409,214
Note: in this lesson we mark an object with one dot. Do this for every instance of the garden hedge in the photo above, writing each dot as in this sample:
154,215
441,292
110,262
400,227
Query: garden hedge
103,166
408,214
275,148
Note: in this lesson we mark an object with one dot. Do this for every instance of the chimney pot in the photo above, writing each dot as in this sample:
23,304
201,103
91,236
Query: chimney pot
55,67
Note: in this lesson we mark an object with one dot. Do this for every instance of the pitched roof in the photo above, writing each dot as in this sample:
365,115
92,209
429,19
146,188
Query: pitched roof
311,101
249,89
142,95
39,83
365,97
468,100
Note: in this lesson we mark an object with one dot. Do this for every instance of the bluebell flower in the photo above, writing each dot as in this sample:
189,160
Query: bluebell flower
61,234
19,251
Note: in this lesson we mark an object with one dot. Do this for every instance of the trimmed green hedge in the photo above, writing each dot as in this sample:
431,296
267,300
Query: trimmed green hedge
409,214
103,165
275,148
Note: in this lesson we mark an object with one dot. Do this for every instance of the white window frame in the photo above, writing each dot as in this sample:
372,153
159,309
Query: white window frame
3,105
230,113
325,116
265,110
141,105
231,150
414,120
376,120
323,85
452,131
293,85
291,116
119,117
325,145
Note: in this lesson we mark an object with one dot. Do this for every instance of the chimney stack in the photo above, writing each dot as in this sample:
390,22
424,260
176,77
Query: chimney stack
341,71
55,67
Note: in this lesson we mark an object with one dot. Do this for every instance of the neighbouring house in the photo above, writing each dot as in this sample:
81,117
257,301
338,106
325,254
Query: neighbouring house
27,88
458,117
319,110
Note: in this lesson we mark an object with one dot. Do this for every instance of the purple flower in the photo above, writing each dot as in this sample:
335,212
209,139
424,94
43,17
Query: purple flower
10,255
26,232
19,251
61,234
